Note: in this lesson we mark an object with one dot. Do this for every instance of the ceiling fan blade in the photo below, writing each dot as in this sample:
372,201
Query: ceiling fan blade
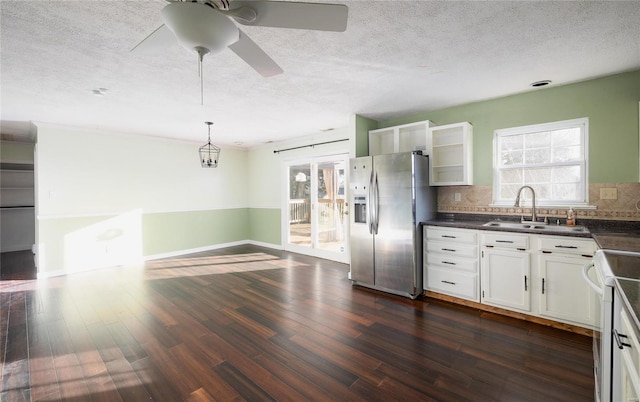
254,56
158,39
285,14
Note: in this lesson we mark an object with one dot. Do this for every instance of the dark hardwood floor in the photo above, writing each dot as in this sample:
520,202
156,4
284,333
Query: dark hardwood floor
247,323
17,265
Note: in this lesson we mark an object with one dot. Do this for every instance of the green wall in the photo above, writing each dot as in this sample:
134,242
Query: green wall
610,103
175,231
79,243
264,225
363,125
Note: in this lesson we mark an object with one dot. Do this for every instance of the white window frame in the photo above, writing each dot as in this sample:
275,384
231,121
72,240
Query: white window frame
583,124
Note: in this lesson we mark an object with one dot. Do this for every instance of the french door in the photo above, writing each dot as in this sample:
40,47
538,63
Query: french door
315,220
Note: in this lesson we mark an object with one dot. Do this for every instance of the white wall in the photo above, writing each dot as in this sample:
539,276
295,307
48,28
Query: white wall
104,198
263,178
86,173
265,166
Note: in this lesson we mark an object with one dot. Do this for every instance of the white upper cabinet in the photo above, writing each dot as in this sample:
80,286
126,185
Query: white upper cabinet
451,155
403,138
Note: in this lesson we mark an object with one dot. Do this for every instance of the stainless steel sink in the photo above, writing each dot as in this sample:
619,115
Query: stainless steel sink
536,227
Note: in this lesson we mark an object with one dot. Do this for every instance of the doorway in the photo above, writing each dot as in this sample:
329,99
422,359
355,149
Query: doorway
17,185
315,218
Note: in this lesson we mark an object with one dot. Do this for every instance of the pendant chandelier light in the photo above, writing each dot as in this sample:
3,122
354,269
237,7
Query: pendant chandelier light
209,153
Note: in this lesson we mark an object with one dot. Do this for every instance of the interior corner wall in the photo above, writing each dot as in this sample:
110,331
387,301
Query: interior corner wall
363,125
264,185
108,199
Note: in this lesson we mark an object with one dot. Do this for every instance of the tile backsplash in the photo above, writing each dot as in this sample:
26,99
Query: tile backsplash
477,200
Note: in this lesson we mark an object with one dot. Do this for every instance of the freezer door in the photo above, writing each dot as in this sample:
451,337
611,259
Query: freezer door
361,237
393,202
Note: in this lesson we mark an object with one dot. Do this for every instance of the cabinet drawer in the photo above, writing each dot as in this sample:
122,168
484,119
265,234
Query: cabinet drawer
450,234
449,248
457,284
506,240
567,245
452,262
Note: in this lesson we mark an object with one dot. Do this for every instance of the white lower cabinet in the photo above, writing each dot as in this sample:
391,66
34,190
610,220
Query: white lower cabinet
506,270
451,262
506,278
564,295
457,284
538,275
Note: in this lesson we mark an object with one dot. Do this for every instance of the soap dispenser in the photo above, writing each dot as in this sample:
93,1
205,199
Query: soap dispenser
571,218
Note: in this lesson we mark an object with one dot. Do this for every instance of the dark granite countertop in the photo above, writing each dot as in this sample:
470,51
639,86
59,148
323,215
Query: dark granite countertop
624,266
630,292
463,224
629,241
609,235
626,269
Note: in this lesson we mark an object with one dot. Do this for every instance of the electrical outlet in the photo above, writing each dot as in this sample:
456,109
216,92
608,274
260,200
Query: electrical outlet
457,197
610,193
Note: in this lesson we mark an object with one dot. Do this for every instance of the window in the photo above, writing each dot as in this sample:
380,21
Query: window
550,157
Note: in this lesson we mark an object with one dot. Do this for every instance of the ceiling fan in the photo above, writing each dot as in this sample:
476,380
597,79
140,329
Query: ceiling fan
207,26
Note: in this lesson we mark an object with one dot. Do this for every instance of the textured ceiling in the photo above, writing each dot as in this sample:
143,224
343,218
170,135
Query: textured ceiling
396,58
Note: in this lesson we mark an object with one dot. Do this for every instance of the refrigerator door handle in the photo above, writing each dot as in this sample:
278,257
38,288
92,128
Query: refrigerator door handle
376,210
369,205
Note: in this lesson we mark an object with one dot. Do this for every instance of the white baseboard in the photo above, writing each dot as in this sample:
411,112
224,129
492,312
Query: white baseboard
176,253
51,274
266,245
179,253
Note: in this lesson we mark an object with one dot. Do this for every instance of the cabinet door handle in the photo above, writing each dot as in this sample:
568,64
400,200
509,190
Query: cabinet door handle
505,241
542,285
450,283
525,283
449,249
449,236
620,343
449,262
561,246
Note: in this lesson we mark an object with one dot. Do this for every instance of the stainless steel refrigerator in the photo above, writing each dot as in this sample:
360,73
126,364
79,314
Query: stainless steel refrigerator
390,196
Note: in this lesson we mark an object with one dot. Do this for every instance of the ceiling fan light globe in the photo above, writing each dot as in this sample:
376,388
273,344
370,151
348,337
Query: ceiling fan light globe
196,26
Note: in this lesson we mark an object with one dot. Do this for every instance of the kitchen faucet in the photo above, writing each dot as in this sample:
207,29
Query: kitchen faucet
534,216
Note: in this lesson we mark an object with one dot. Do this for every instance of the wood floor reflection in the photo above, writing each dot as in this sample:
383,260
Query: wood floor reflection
249,323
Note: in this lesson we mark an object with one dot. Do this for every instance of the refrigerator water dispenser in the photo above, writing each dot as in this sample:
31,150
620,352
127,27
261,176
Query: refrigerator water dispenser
360,209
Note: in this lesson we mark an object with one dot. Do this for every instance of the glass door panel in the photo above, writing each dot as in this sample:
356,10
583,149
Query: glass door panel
316,208
330,213
300,205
